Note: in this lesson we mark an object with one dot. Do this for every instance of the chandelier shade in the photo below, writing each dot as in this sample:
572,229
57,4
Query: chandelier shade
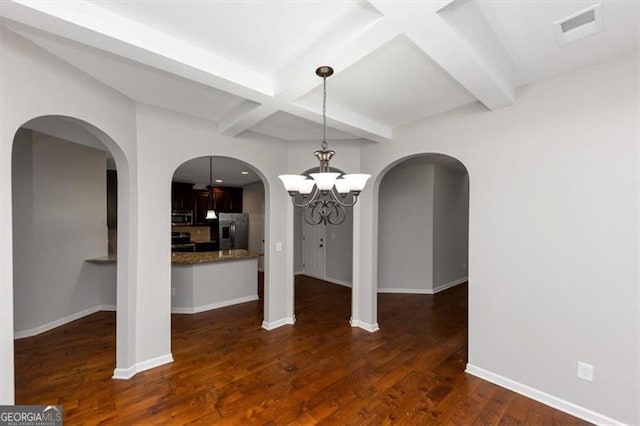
324,197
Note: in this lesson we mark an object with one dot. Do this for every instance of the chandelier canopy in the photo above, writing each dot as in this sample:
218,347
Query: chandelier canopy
324,196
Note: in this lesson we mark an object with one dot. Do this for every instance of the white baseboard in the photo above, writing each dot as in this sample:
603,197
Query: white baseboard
371,328
198,309
61,321
448,285
298,273
279,323
405,290
435,290
543,397
110,308
127,373
339,282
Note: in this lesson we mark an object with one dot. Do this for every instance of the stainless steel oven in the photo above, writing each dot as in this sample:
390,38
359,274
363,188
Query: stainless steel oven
181,217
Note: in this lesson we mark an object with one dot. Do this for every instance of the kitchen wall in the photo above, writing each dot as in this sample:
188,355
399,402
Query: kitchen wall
253,203
553,235
59,220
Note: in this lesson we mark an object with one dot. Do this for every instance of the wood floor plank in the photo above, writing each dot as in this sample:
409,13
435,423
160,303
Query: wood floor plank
229,371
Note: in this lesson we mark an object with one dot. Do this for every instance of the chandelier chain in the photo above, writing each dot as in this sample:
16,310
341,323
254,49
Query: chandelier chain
324,113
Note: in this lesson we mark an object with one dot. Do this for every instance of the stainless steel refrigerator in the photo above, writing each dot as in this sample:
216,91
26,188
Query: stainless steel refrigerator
233,231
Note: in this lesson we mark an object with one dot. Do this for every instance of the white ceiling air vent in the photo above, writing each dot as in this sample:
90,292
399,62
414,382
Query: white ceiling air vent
579,25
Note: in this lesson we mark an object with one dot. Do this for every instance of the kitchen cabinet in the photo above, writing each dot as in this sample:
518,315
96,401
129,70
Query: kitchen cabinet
228,199
206,246
181,196
184,197
200,206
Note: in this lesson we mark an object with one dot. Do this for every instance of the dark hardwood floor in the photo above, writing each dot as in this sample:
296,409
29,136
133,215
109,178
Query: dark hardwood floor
228,370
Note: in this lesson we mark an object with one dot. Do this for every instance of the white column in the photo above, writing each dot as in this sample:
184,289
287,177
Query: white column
6,271
364,312
278,278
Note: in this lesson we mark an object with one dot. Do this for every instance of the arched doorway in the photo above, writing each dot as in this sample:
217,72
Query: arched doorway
216,258
65,213
423,234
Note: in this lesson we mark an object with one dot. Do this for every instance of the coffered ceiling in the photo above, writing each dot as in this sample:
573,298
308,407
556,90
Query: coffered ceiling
250,65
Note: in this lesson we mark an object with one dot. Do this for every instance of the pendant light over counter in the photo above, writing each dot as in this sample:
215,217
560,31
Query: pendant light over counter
211,204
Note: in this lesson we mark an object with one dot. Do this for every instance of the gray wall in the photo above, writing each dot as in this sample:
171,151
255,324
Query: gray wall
59,221
423,226
339,248
450,225
553,235
297,240
253,204
405,244
339,254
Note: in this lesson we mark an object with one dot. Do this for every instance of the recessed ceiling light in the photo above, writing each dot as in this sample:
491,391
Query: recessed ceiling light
244,172
218,180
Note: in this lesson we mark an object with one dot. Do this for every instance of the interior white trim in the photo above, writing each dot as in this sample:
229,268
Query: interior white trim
438,289
127,373
111,308
371,328
448,285
543,397
405,290
61,321
203,308
339,282
279,323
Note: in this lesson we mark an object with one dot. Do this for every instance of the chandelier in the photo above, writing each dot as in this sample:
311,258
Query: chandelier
325,195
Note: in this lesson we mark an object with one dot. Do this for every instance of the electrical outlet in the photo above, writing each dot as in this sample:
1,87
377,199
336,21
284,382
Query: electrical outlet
278,246
585,371
464,267
173,291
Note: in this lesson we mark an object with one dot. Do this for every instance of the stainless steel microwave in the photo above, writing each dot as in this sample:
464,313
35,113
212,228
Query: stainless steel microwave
181,217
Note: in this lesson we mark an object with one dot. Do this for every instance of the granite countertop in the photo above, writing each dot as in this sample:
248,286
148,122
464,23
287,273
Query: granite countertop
193,258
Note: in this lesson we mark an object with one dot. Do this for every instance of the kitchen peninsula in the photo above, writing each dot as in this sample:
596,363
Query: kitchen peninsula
199,281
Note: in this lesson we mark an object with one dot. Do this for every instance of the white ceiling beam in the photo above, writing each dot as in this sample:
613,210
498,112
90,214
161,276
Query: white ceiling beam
339,49
345,120
93,26
429,26
247,115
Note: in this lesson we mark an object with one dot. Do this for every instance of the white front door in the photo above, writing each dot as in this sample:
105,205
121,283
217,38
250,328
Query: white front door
313,250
